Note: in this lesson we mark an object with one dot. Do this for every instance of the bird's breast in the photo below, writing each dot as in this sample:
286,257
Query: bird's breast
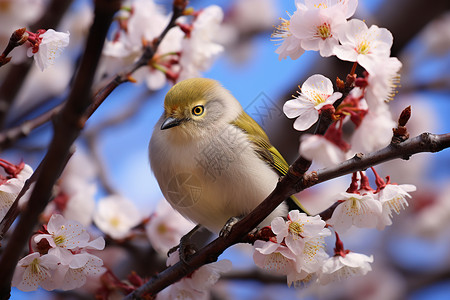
211,179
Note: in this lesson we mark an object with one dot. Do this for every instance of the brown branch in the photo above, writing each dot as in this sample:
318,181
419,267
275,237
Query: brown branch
11,135
287,186
67,129
18,37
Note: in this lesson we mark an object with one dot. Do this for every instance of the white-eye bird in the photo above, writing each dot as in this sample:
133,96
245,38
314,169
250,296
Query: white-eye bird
212,160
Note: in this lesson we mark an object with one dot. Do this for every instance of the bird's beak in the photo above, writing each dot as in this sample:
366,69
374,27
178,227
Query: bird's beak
171,122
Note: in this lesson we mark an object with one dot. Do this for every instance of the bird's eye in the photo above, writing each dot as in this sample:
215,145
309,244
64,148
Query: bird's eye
198,110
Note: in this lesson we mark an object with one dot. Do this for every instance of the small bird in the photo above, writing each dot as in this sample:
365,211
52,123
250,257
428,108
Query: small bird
211,159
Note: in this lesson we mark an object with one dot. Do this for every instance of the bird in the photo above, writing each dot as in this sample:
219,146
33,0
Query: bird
212,161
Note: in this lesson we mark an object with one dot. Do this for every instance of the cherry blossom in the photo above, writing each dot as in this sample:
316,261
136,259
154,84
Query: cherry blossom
393,198
317,28
313,255
316,92
12,183
290,44
339,267
298,229
166,227
355,209
374,132
199,48
278,258
116,215
274,257
50,46
35,270
383,81
63,236
348,7
144,21
81,266
363,45
198,283
320,150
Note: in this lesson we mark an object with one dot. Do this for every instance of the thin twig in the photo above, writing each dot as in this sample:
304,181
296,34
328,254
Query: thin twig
10,136
18,73
67,129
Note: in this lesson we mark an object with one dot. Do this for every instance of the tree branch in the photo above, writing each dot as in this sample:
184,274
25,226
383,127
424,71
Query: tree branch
288,185
8,137
67,129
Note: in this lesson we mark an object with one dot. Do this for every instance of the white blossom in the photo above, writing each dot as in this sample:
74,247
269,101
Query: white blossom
320,150
200,49
374,132
65,236
116,215
340,267
392,198
198,283
348,7
35,270
166,227
274,257
82,266
290,44
383,81
316,92
11,187
145,23
355,209
50,48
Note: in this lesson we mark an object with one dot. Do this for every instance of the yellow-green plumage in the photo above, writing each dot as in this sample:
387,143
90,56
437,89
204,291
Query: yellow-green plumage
266,151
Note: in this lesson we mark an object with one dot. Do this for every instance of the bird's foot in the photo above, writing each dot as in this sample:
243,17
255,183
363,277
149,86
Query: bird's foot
226,229
185,247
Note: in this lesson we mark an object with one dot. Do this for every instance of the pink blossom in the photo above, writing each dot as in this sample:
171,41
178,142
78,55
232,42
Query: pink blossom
363,45
298,229
316,92
317,28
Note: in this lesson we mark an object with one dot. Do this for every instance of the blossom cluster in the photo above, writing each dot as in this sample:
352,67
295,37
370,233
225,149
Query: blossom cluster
297,247
60,258
188,48
368,208
325,26
197,284
297,250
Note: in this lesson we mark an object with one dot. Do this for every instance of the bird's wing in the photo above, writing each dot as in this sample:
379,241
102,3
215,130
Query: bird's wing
265,150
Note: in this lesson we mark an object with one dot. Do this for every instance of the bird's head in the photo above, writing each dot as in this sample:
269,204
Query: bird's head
194,107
